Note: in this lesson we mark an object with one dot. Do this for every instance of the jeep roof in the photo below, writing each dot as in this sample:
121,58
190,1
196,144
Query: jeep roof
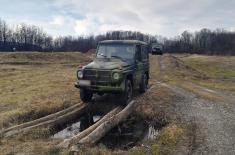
123,42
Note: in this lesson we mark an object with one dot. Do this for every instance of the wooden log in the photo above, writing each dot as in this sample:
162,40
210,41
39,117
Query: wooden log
50,123
75,139
106,126
40,120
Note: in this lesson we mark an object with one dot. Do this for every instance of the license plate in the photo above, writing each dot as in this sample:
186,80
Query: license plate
84,82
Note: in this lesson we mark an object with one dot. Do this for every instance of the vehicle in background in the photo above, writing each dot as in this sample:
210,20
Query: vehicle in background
157,49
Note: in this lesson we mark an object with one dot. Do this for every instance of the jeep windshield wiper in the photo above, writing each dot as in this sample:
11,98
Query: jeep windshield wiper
115,56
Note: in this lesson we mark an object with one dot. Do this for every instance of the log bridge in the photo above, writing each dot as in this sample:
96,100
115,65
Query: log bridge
89,136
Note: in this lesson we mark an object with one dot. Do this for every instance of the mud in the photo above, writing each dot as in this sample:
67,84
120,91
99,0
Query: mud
74,128
132,132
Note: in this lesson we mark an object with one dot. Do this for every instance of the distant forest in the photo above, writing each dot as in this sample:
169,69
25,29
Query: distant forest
32,38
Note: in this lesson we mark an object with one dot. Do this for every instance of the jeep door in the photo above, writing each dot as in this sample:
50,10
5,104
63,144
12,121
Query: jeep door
139,65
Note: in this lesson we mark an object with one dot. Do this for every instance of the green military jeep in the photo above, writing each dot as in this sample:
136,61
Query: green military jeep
119,67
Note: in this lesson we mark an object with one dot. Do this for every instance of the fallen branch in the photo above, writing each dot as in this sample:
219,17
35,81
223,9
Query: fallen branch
106,126
75,139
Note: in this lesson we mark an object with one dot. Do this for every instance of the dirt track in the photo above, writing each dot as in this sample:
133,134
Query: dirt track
214,122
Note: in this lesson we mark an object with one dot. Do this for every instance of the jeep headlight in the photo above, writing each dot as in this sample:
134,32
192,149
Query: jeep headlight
116,76
80,74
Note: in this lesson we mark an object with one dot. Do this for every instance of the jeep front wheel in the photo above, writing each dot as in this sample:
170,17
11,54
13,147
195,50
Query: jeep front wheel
85,95
128,92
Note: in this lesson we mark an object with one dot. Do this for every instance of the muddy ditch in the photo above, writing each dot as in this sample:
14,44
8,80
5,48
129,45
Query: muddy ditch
132,132
90,115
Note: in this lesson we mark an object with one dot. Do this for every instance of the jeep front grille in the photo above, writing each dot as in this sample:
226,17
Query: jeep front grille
98,77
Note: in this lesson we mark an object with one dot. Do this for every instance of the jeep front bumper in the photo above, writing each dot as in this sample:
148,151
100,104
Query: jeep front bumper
105,89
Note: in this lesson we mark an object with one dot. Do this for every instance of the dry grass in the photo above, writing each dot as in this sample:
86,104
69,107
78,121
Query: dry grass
220,70
166,142
193,71
155,72
168,139
33,85
29,147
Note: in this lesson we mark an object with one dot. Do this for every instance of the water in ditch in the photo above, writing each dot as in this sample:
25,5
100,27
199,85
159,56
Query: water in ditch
130,133
75,128
124,136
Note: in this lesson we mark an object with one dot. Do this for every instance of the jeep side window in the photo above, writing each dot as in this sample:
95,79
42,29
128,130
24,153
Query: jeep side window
138,52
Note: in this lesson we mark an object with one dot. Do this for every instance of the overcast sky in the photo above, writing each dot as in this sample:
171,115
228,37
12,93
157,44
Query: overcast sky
83,17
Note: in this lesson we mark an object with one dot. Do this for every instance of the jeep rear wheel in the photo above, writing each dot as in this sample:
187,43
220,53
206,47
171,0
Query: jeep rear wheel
85,95
128,92
144,84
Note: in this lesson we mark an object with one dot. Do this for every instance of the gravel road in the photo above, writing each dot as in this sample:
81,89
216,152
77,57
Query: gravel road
215,122
214,131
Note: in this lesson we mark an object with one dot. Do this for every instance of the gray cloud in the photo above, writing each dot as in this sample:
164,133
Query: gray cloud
163,17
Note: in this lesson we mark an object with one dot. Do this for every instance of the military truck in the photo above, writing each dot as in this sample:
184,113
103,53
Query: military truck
119,67
157,49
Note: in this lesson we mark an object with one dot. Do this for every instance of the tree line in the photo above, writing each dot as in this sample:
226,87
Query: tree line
217,42
32,38
23,38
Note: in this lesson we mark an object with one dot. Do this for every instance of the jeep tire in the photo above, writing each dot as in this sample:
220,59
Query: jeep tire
144,84
128,92
85,95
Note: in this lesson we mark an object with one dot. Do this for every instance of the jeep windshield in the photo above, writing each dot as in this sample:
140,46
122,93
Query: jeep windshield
117,51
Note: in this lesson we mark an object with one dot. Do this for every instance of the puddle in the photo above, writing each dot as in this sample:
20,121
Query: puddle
128,134
74,128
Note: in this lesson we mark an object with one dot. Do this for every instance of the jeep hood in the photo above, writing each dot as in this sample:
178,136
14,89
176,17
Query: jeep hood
108,64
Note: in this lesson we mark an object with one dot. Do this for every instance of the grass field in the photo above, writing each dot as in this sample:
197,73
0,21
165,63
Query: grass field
33,85
219,70
195,71
37,84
